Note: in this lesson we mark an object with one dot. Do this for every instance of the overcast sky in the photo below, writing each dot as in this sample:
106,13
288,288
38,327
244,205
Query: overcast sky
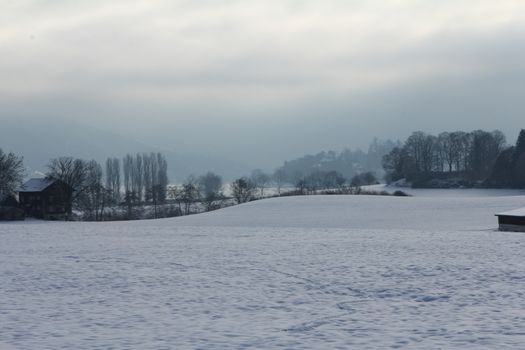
276,78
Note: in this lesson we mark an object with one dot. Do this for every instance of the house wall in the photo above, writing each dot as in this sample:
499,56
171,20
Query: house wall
511,228
55,198
32,203
10,210
511,220
47,204
511,223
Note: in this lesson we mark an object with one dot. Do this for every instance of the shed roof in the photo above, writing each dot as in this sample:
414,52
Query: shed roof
35,185
516,212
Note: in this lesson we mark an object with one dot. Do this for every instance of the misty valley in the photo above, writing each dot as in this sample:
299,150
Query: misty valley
247,174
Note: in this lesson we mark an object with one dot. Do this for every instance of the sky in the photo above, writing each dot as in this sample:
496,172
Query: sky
268,80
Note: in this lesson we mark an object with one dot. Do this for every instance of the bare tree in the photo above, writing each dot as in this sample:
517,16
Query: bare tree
130,198
113,178
185,195
210,188
453,148
95,197
154,193
161,177
364,179
11,171
242,190
148,176
127,169
189,194
260,180
137,177
73,173
420,147
155,177
145,179
443,157
279,178
301,185
484,150
210,184
174,193
335,180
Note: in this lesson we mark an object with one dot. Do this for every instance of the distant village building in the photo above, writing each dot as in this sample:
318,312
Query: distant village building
45,198
10,208
513,220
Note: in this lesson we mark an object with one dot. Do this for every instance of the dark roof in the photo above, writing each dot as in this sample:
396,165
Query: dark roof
35,185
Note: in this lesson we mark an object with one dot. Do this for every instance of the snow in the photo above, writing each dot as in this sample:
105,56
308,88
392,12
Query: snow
448,192
318,272
515,212
35,185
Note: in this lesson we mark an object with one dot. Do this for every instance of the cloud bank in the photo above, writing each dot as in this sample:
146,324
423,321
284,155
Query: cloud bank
281,77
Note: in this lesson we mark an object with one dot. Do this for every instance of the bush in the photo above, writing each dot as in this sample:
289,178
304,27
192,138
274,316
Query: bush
400,194
364,179
11,213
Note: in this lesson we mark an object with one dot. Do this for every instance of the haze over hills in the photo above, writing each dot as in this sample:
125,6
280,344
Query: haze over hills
358,172
261,82
39,140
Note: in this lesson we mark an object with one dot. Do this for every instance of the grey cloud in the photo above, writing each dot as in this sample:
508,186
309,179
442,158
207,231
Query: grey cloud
265,81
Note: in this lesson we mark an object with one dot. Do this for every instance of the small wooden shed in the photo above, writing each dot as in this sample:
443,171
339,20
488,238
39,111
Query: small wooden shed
513,220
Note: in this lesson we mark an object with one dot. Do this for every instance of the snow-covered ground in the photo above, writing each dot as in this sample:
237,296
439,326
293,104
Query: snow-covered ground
445,192
323,272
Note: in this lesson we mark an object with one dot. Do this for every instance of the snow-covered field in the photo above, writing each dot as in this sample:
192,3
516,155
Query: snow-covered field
324,272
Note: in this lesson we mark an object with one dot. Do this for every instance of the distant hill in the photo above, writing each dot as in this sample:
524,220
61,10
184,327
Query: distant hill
347,162
45,138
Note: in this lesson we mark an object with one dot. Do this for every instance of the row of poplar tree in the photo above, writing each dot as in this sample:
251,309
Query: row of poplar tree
138,178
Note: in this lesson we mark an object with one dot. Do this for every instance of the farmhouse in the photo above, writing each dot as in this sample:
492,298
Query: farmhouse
45,198
513,220
9,208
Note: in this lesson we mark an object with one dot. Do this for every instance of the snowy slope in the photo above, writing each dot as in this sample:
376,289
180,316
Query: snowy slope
361,212
320,272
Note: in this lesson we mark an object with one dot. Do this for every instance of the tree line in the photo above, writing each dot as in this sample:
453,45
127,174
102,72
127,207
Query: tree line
347,163
452,159
138,180
123,188
208,192
326,170
509,168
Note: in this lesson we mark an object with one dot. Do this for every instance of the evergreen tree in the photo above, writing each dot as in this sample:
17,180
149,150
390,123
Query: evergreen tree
518,161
